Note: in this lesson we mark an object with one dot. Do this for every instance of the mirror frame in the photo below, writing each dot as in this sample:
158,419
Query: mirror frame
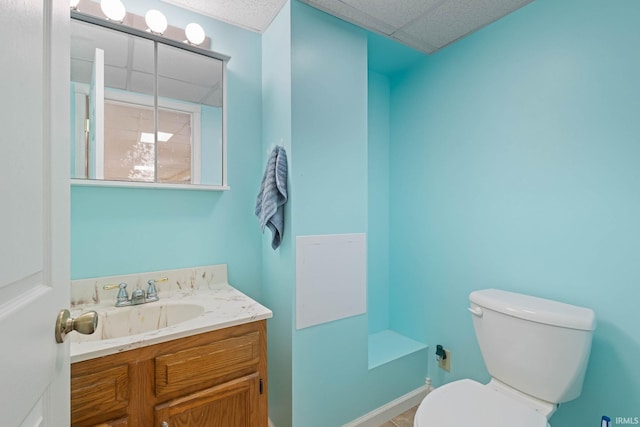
90,19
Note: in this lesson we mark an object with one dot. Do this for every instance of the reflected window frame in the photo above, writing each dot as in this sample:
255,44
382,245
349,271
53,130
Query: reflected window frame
136,99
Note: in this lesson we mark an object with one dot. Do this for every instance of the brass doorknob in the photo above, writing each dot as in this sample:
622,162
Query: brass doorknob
85,324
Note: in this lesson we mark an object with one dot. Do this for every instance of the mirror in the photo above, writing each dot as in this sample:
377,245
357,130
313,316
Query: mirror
144,109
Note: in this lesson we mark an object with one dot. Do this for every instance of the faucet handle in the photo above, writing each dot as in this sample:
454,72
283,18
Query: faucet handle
122,297
152,292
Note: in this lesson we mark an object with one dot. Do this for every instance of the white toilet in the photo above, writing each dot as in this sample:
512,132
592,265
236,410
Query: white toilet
536,351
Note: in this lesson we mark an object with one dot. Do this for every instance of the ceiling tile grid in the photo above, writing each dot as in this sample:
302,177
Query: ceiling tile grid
454,19
359,17
394,13
425,25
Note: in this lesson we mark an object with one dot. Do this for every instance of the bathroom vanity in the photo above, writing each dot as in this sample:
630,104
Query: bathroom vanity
210,370
212,379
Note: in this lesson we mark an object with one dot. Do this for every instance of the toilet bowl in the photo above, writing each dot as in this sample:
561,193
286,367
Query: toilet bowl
471,404
518,337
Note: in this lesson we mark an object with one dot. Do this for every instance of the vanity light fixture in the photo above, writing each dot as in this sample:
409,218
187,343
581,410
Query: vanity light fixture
156,21
195,33
113,9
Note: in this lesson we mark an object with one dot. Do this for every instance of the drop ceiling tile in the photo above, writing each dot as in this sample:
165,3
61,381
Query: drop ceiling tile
425,25
350,14
395,14
254,15
454,19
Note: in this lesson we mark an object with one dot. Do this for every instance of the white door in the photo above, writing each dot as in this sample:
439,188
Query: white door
34,211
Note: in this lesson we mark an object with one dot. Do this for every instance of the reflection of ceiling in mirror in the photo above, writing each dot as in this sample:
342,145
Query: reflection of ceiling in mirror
129,62
182,75
128,158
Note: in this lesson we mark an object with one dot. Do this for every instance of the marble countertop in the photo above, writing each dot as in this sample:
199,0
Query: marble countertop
223,306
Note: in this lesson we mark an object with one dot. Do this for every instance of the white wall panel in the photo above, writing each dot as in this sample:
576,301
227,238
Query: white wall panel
331,280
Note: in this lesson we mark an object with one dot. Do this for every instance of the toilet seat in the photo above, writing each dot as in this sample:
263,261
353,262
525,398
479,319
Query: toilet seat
467,403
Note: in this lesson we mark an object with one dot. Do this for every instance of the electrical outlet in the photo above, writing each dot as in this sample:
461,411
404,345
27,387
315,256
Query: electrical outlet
445,363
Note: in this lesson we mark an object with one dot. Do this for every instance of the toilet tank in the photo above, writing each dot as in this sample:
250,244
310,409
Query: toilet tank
537,346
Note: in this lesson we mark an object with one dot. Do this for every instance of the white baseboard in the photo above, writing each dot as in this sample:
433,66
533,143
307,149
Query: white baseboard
392,409
388,411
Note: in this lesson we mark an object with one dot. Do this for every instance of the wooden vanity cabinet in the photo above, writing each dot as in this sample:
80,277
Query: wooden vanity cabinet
214,379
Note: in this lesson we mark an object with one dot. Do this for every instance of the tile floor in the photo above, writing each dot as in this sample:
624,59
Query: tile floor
403,420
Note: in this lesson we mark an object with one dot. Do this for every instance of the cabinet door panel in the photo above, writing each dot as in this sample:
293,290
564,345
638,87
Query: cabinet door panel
232,404
99,396
198,365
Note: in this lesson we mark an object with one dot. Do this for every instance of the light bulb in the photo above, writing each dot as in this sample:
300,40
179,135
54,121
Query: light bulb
195,33
114,9
156,21
73,4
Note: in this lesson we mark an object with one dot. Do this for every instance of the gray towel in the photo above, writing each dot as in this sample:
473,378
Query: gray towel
273,195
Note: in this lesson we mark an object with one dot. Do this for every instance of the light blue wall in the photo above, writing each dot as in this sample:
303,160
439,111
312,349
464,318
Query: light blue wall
118,231
329,105
329,97
332,384
514,164
378,106
278,267
315,104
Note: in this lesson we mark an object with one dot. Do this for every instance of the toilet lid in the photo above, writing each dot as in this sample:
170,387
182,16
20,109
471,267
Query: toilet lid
468,403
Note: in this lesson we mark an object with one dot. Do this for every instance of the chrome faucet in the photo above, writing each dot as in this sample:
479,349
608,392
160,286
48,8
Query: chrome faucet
138,296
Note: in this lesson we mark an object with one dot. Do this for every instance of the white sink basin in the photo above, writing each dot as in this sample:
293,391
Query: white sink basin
139,319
